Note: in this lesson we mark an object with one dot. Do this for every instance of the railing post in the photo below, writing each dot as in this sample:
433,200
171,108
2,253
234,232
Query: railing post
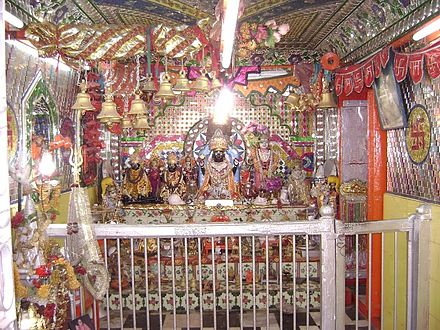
328,269
419,263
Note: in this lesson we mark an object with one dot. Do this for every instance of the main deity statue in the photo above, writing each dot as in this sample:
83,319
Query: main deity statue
218,173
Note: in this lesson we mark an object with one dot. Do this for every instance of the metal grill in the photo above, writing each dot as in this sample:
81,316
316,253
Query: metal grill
214,275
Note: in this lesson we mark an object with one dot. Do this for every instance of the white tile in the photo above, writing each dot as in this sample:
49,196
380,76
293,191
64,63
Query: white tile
316,316
311,327
260,318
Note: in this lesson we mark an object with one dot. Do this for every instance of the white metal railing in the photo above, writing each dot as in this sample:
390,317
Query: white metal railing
199,259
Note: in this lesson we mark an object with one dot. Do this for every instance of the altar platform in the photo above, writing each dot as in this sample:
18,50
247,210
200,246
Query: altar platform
158,213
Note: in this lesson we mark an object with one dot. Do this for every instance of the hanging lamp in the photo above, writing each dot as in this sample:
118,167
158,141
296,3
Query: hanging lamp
82,101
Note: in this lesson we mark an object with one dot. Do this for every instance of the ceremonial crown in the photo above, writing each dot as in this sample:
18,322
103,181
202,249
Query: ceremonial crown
172,158
218,141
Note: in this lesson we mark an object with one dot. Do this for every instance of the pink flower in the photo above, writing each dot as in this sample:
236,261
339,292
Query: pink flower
277,36
283,29
261,33
271,24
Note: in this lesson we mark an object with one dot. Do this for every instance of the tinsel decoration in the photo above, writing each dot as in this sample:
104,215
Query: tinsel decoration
82,245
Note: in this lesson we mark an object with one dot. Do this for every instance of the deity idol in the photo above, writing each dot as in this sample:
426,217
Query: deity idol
136,186
173,183
218,173
154,175
265,161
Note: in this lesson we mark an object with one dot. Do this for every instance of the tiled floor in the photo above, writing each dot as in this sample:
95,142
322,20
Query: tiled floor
222,322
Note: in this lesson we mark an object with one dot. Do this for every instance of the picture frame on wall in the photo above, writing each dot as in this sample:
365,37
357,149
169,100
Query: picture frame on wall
389,99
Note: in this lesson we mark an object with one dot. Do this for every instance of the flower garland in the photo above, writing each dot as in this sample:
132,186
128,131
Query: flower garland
253,35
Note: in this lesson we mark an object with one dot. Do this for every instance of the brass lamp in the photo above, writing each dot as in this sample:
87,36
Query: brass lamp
165,88
82,101
202,83
327,97
137,105
108,113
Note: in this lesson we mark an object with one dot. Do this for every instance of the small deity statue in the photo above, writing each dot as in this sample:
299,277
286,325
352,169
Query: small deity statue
297,187
154,176
173,184
136,186
218,173
190,176
265,161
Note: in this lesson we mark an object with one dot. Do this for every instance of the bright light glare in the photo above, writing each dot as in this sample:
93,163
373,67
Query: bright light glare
13,20
228,31
47,165
427,30
223,106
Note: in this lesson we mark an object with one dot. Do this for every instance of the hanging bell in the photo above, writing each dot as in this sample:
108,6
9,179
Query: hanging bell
292,100
137,105
126,123
182,83
141,122
149,86
202,83
165,89
327,101
82,101
108,113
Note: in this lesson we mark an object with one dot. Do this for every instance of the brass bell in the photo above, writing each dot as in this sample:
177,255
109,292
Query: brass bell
327,101
82,101
182,83
137,105
215,83
108,113
327,97
141,122
126,123
292,100
202,83
149,86
165,89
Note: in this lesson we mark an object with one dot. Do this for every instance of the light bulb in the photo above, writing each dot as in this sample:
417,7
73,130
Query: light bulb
223,106
47,165
427,30
228,31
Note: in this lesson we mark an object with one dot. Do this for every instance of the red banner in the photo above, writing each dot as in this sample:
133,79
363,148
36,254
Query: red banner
348,84
358,80
357,76
369,73
433,63
338,84
384,56
416,67
400,66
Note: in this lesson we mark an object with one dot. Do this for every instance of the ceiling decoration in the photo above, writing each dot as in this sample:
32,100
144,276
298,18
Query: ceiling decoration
351,28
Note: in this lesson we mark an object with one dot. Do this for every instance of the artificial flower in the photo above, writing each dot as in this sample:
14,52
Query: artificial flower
17,219
43,291
49,311
283,29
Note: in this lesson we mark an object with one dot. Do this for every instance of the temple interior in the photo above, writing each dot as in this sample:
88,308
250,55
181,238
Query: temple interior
240,164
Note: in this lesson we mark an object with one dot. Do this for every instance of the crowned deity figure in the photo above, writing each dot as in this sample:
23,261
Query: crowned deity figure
136,186
218,173
154,173
265,163
297,186
173,182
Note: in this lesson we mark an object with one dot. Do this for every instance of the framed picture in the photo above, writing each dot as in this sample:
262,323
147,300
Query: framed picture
82,323
389,99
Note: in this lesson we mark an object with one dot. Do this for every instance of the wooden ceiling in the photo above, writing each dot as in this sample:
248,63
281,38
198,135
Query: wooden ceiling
352,28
